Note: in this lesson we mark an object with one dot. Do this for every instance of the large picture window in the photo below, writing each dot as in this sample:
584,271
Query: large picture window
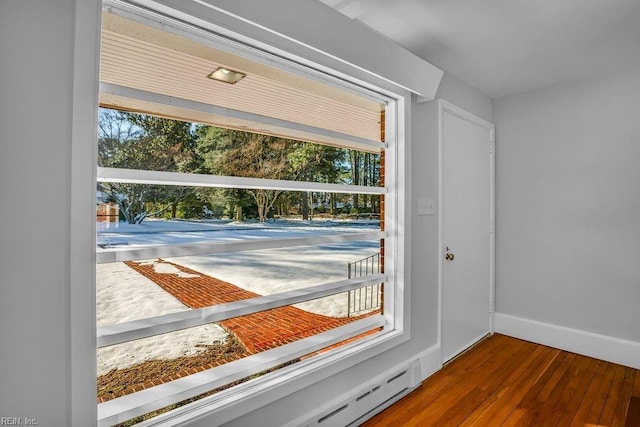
246,215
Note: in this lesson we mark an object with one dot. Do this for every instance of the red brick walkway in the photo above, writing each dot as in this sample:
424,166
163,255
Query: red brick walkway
259,331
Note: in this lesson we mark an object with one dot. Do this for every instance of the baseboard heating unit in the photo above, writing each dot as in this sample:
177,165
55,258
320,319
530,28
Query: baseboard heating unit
357,406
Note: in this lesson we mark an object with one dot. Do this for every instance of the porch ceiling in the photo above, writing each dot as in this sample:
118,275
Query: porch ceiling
141,57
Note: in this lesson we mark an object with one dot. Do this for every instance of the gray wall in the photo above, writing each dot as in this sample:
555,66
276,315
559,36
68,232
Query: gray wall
36,72
38,348
568,222
424,263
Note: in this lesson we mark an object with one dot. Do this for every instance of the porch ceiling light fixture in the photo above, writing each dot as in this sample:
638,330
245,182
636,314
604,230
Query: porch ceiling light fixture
226,75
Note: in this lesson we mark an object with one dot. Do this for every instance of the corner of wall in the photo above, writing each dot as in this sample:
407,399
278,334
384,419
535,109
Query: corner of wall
603,347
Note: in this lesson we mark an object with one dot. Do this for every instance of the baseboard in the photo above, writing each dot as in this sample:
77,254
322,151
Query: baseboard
354,407
598,346
430,361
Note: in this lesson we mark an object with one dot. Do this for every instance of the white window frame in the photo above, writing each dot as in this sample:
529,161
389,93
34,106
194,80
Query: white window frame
238,400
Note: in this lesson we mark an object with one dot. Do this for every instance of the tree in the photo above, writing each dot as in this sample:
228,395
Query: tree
237,153
364,170
139,141
318,163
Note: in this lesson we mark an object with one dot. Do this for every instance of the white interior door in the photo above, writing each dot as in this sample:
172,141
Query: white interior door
466,229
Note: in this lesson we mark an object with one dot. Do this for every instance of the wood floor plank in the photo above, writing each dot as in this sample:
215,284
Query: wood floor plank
439,392
485,389
508,382
622,403
599,386
542,410
498,407
483,352
636,385
633,412
533,390
528,411
451,395
633,409
572,395
416,400
606,418
600,400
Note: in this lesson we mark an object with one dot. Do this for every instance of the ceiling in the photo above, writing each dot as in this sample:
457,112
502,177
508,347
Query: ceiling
503,47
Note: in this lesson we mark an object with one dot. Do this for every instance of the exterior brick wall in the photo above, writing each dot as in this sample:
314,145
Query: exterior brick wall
382,207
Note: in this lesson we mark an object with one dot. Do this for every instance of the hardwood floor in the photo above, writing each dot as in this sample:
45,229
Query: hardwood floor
504,381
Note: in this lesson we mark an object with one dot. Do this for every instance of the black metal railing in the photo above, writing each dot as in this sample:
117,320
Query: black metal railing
366,298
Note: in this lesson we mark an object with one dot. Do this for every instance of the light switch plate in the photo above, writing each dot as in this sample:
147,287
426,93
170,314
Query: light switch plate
425,206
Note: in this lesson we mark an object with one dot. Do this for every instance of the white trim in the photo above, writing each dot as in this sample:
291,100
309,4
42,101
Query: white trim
120,254
464,347
466,115
150,326
603,347
430,361
394,208
237,401
232,403
447,107
139,403
81,360
250,22
355,406
418,368
137,176
325,135
241,399
492,219
441,251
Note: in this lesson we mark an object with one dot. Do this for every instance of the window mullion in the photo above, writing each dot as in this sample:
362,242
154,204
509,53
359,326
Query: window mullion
137,176
120,254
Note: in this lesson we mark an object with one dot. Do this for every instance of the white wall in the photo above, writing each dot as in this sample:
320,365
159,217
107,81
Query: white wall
35,134
568,205
47,69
